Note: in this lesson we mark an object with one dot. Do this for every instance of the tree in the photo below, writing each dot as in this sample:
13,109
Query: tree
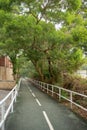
30,31
17,36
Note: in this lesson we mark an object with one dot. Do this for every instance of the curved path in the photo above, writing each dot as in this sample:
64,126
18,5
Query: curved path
35,110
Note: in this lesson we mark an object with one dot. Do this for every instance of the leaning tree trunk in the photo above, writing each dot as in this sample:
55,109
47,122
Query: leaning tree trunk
38,69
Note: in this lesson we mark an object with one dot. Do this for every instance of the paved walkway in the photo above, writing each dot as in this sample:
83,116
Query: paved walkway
35,110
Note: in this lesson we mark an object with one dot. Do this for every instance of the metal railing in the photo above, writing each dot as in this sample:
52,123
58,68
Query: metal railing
62,93
6,105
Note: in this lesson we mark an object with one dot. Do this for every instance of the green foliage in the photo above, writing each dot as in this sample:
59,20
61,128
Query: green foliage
75,59
69,17
5,4
74,4
28,36
79,35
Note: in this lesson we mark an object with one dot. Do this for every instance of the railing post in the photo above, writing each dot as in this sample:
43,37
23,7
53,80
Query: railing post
40,85
2,115
71,99
12,96
52,90
47,88
59,94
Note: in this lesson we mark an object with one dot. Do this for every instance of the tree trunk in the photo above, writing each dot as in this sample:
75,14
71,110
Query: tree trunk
49,67
38,69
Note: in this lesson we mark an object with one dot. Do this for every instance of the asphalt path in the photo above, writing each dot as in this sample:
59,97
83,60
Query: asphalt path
34,110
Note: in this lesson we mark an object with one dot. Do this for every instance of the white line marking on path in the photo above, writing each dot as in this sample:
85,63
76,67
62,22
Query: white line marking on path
30,90
38,102
33,95
48,121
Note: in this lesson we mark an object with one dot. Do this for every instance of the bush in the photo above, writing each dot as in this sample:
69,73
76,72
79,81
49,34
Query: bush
75,83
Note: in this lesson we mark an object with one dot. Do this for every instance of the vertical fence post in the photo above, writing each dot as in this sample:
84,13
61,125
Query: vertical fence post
2,115
47,88
12,96
52,90
59,94
43,87
40,85
71,99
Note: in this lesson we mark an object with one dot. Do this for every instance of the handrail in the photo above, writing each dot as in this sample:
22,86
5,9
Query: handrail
51,88
3,100
4,112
